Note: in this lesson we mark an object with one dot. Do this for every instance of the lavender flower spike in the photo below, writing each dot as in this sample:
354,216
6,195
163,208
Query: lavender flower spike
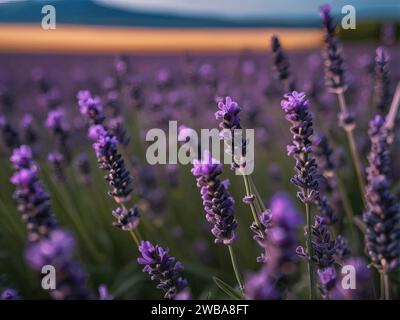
218,202
162,268
105,146
382,90
235,144
382,218
33,201
281,64
332,53
296,106
90,106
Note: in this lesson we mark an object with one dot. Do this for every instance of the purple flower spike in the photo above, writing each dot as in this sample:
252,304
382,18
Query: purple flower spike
281,64
90,106
382,85
324,247
162,268
33,201
217,201
105,145
228,113
295,105
332,53
383,212
58,251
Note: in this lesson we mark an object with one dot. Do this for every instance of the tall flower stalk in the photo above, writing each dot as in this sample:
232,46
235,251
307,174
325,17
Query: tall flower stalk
296,107
281,64
235,146
218,205
105,145
31,196
335,83
382,217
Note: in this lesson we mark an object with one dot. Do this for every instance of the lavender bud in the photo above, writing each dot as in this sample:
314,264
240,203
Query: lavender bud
217,201
296,106
332,53
127,220
163,268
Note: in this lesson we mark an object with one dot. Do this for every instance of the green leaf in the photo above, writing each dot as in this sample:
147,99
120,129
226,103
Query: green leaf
231,292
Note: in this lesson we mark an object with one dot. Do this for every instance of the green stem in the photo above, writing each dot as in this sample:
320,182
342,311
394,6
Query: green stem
353,148
346,206
258,197
385,286
310,250
236,269
253,209
135,238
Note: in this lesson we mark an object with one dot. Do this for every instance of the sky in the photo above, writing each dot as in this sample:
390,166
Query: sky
254,8
251,8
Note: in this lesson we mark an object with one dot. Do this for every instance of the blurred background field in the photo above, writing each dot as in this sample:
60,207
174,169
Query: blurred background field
179,58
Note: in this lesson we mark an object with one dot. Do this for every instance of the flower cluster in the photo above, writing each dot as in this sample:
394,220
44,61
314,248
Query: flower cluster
281,64
56,121
91,107
332,53
57,251
33,201
217,201
235,144
382,86
105,145
163,268
296,106
382,217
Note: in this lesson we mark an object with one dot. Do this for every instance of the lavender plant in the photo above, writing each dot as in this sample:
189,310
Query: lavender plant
218,204
33,201
335,82
382,215
295,105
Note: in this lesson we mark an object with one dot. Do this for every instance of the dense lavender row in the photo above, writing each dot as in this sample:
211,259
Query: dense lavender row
73,151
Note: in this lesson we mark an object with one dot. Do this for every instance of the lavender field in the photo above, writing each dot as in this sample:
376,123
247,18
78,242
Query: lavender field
77,192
